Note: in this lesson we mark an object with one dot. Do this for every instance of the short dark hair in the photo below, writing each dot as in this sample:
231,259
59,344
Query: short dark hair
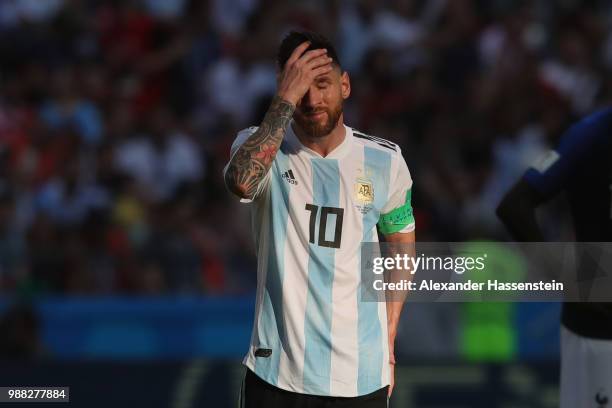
295,38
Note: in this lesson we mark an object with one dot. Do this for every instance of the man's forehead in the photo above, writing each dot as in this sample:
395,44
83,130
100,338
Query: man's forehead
334,74
323,77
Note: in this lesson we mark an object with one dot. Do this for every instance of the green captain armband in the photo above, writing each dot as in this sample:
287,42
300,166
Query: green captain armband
397,219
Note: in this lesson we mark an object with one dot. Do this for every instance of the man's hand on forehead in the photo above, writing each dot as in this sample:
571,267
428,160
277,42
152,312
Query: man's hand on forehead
300,71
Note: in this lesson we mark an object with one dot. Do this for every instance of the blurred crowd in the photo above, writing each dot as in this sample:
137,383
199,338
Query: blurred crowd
116,118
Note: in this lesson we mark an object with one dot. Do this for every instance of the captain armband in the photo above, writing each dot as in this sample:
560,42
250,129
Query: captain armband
398,219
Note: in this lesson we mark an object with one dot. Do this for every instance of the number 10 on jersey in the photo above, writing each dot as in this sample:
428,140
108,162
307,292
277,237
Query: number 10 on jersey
325,212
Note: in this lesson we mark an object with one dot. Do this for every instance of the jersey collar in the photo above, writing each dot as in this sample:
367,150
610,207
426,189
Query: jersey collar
340,151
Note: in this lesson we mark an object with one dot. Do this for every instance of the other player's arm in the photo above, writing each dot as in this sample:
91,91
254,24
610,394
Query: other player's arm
252,160
550,174
517,211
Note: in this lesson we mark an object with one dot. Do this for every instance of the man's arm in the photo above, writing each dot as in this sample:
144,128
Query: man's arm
252,160
517,212
398,243
551,173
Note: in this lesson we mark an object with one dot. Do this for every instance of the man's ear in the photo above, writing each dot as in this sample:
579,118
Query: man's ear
345,85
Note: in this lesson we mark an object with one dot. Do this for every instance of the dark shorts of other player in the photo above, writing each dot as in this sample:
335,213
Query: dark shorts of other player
256,393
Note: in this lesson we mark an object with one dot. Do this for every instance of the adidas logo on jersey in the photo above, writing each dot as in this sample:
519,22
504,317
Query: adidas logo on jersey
289,177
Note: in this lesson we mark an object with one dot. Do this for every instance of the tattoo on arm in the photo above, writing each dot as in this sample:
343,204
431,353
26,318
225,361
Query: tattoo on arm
251,162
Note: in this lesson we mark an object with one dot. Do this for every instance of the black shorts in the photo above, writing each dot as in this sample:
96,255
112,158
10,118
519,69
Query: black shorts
256,393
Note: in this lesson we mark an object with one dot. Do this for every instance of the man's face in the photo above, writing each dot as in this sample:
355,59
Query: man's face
319,111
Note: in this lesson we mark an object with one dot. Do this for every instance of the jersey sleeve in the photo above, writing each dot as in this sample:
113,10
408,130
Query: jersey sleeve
553,171
242,136
396,215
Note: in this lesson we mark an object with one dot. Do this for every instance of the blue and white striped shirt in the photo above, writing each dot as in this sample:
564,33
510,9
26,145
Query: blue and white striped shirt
312,334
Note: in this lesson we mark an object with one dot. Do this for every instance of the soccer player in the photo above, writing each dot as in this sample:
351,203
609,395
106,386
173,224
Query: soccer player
318,189
581,166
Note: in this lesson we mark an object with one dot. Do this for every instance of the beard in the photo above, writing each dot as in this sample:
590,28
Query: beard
314,127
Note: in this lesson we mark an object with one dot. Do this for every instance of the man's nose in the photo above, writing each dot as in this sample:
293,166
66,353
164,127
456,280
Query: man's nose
312,97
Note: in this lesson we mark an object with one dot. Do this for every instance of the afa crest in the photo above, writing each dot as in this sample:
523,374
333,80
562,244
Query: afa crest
364,191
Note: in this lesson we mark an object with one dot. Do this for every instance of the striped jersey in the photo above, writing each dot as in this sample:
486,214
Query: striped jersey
310,214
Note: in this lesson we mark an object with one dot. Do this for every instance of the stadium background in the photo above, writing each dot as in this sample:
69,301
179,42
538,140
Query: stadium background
126,269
